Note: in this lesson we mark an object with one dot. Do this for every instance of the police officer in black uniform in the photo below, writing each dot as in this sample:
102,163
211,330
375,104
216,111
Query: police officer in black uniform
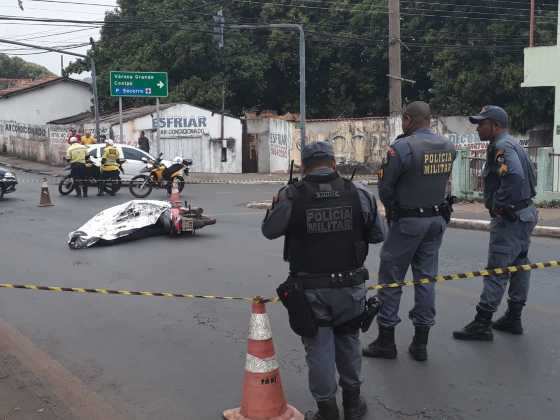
412,187
328,222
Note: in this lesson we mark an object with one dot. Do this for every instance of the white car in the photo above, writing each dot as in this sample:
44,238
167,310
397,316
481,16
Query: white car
133,156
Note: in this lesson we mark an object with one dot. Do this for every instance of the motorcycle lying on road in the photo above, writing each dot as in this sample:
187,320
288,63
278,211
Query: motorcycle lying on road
138,219
160,176
93,176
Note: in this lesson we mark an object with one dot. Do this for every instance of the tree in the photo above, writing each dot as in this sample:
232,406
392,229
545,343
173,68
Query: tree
462,55
16,68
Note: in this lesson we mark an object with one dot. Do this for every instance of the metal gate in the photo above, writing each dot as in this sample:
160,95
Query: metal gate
187,148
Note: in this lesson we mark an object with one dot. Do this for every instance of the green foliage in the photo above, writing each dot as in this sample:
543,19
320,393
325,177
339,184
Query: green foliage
16,68
458,63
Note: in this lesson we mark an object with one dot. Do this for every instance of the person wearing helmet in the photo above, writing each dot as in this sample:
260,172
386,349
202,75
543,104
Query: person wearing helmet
109,166
76,155
176,166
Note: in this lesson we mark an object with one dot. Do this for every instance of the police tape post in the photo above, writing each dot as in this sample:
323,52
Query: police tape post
437,279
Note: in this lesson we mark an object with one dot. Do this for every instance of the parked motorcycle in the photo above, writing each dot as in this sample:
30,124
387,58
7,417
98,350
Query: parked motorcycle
8,182
160,176
93,175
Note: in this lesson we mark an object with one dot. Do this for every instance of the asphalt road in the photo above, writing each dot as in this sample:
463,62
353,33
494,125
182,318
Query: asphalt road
155,358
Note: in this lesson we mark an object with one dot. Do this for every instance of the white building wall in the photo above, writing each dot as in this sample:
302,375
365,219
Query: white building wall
192,133
41,105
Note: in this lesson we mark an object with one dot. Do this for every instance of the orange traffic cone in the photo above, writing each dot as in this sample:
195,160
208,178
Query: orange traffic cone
263,396
45,200
175,197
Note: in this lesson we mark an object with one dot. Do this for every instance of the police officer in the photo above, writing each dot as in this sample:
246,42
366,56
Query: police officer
76,155
412,187
509,186
109,166
328,222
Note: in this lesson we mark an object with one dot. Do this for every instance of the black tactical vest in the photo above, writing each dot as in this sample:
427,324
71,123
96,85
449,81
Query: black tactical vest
326,230
424,184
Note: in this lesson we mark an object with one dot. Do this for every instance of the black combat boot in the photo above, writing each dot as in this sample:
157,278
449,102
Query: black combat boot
78,191
384,346
511,321
418,349
328,410
479,329
354,406
100,189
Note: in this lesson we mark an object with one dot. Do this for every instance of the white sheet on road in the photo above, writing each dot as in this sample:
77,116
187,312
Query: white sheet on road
117,222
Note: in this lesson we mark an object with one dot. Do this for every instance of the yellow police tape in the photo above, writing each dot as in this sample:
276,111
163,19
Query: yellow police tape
436,279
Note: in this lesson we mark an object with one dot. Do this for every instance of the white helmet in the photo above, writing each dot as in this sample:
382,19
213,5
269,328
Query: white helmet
109,142
73,139
178,160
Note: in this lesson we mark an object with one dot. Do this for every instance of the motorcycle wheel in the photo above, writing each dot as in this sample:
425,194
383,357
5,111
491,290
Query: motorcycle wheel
114,186
140,186
66,185
180,184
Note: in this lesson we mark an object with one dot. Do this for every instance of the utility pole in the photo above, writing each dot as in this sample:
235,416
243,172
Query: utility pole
395,77
94,85
532,25
93,75
299,28
219,31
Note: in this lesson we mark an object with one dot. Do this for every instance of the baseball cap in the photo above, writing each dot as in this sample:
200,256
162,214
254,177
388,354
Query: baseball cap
318,150
491,112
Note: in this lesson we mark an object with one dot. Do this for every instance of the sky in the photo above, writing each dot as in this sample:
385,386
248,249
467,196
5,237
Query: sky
40,34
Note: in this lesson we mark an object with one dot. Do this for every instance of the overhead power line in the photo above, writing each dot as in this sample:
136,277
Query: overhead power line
76,3
408,11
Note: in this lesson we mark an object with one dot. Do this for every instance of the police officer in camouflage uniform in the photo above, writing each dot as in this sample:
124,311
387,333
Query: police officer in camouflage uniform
509,186
328,222
412,186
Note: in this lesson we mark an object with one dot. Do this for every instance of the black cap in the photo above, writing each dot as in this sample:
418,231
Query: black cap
318,150
491,112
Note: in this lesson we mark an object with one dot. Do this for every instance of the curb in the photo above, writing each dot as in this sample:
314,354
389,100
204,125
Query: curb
21,168
190,179
466,224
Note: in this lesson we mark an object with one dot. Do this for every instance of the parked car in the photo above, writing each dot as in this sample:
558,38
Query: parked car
133,156
8,182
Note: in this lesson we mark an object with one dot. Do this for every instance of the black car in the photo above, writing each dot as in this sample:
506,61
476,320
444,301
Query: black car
8,182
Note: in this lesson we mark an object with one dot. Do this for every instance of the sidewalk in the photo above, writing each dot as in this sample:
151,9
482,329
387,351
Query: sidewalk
193,178
23,396
474,216
547,216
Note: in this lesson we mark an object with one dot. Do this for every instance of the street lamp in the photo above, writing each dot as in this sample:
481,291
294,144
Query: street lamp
299,28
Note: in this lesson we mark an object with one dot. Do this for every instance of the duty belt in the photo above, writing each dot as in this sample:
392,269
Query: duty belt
522,205
420,212
331,280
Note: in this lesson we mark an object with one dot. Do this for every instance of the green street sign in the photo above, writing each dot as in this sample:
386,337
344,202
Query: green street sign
139,84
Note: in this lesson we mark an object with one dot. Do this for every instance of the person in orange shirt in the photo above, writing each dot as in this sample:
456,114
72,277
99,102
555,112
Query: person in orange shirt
88,139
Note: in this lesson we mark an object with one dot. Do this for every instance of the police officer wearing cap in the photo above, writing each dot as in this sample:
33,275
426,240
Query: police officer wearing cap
412,186
509,186
328,222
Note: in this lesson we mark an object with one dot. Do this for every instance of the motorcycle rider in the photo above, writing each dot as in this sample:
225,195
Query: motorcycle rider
109,166
76,155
